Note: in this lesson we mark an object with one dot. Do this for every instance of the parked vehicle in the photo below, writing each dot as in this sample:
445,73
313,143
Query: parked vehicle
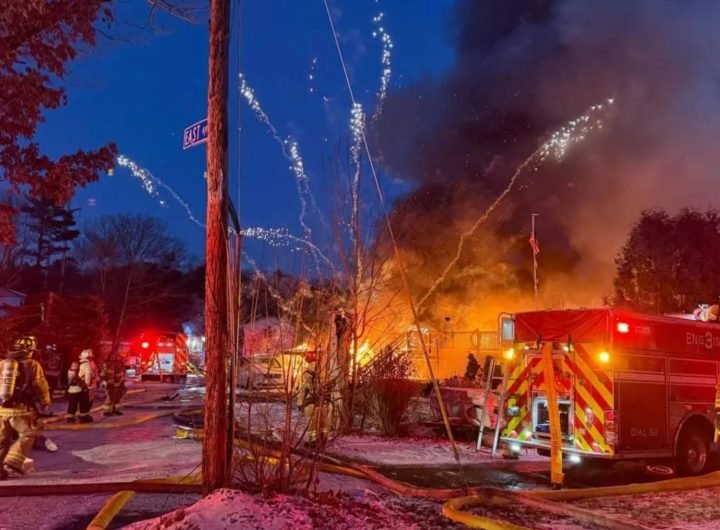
163,356
261,372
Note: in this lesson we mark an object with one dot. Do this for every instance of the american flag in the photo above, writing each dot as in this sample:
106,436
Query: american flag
534,243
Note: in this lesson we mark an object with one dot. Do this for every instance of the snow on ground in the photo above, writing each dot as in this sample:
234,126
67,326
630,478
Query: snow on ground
378,450
229,510
673,510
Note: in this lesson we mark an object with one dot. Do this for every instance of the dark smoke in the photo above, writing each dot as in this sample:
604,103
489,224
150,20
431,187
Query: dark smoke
523,68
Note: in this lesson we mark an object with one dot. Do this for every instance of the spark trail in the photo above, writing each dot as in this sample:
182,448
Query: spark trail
151,183
357,130
280,237
291,151
556,147
289,147
385,62
275,237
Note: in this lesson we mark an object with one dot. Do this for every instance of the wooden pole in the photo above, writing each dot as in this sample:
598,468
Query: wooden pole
214,453
535,263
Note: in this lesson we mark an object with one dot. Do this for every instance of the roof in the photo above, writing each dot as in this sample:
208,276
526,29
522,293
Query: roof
6,292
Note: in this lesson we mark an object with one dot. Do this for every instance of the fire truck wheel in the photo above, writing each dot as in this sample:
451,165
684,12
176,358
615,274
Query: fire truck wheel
693,455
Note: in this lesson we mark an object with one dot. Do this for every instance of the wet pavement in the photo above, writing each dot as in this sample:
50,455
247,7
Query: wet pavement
515,475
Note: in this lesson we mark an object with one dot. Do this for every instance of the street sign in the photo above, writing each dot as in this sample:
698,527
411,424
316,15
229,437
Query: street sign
195,134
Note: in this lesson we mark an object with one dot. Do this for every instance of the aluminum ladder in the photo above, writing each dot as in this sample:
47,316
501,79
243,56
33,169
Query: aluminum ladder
499,402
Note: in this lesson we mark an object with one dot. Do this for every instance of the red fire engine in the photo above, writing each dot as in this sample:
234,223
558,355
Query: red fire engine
629,386
162,356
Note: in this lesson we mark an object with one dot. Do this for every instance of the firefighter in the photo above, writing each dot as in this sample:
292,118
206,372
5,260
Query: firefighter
309,401
472,368
113,379
707,312
22,385
82,382
53,366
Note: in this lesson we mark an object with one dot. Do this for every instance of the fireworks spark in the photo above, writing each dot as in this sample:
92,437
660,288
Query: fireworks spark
143,175
290,149
151,183
312,75
385,61
282,238
357,129
249,94
556,147
574,132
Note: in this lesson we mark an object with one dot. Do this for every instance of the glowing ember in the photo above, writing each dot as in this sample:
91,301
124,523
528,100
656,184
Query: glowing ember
557,146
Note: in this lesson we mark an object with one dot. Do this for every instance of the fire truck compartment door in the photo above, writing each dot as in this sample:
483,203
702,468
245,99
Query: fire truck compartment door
167,362
642,414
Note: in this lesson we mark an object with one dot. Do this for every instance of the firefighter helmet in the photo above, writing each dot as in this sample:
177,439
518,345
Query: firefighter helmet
24,347
85,355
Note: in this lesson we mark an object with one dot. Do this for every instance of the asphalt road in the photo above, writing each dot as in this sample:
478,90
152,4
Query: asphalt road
148,450
514,475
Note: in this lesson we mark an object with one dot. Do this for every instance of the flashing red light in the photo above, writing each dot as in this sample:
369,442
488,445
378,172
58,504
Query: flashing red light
145,345
623,327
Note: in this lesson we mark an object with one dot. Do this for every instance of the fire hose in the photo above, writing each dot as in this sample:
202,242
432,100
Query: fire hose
111,425
456,498
110,509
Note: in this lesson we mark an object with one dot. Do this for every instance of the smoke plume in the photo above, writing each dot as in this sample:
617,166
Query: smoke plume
522,69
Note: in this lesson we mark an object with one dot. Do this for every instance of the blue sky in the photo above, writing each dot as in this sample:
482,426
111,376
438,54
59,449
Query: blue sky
141,94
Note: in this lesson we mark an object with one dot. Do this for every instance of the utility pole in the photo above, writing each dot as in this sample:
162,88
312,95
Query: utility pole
215,442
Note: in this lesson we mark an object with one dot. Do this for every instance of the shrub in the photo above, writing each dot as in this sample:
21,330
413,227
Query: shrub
389,400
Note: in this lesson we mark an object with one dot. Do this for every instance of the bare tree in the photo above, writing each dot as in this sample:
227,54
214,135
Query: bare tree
130,255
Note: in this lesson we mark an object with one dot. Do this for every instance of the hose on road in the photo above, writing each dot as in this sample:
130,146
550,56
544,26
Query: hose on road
456,500
85,488
110,509
111,425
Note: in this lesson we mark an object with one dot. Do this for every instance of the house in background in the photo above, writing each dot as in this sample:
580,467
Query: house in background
268,335
9,299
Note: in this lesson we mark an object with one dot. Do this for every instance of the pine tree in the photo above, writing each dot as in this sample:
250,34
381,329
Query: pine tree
51,229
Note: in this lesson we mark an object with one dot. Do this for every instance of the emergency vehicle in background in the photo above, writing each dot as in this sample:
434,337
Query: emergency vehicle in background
162,356
629,386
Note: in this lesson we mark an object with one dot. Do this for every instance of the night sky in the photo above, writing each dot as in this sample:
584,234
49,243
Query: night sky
142,89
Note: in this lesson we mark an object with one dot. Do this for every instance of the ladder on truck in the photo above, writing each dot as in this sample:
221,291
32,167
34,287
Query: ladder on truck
495,386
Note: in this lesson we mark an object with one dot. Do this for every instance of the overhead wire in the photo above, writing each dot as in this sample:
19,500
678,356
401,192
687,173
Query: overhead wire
396,250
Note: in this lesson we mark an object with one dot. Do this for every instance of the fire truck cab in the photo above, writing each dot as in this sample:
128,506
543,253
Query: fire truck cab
162,356
629,386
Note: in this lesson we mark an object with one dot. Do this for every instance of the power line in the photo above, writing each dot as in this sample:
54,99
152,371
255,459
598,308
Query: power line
398,258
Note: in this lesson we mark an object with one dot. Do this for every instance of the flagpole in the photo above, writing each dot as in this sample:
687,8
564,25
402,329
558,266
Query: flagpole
535,264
